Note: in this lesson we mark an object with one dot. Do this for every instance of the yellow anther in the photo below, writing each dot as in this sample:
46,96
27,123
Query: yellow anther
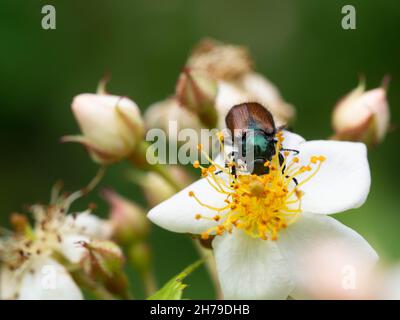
314,159
205,236
199,147
321,158
217,218
295,159
196,164
197,216
191,194
267,163
299,193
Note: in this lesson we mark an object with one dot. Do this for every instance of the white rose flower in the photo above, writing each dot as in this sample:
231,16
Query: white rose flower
261,225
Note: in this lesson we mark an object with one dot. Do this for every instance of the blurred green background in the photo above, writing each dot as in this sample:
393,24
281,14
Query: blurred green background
143,44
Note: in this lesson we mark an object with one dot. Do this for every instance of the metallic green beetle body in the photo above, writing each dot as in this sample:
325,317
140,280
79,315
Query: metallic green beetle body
255,127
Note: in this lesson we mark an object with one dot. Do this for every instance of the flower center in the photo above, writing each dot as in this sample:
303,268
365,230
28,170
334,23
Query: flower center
260,205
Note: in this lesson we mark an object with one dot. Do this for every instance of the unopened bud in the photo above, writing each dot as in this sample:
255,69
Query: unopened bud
156,188
197,93
128,219
219,60
253,87
103,258
161,114
263,91
362,116
111,126
104,262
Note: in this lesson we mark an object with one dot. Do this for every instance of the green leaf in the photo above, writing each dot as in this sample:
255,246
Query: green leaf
173,289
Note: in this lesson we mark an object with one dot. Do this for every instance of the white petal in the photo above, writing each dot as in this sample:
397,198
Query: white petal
343,181
322,254
291,140
251,268
49,280
92,226
9,284
71,248
178,212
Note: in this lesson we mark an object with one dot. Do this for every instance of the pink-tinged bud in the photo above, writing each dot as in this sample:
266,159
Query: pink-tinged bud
219,60
197,93
362,116
127,218
111,126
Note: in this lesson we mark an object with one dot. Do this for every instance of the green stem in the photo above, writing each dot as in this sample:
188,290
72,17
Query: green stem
209,261
149,283
86,282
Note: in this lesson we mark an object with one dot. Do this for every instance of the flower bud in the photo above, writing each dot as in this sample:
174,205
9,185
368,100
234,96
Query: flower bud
197,93
103,262
266,93
127,218
160,114
220,61
103,258
362,116
253,87
156,189
111,126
